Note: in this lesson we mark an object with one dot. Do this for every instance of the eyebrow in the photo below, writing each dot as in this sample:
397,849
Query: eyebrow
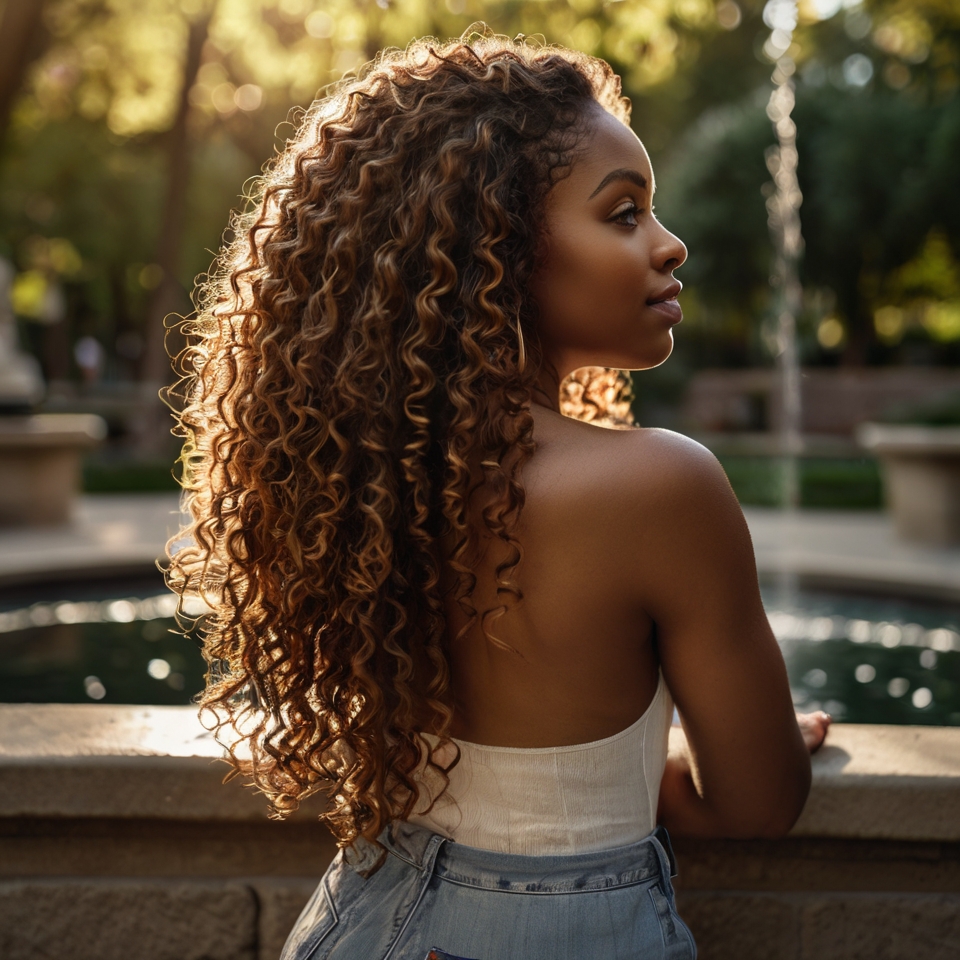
633,176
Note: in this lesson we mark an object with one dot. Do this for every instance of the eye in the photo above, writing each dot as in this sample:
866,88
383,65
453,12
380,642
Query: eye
627,215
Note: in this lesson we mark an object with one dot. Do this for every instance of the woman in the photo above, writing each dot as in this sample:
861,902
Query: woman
460,616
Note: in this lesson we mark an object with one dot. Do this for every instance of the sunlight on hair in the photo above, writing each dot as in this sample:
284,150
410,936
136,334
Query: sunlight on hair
598,395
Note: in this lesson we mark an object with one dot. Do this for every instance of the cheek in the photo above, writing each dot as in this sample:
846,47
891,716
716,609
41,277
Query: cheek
586,284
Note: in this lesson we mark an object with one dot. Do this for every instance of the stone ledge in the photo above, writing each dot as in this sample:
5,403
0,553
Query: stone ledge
101,761
851,550
885,782
120,918
118,839
814,864
112,535
104,761
99,847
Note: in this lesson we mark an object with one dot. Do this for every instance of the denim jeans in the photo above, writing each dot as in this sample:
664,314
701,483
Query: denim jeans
433,899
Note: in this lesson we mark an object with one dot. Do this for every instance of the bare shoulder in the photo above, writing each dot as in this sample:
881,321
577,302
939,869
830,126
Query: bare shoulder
646,478
666,457
625,464
669,490
651,469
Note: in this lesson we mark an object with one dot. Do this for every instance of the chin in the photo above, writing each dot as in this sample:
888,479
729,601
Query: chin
644,356
648,358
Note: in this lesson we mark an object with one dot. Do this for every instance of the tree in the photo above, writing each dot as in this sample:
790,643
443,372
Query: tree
22,39
167,297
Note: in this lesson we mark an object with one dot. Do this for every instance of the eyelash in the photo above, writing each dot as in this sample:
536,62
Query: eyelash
632,210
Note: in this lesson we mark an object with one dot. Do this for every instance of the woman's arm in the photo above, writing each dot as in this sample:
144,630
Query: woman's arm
681,805
746,769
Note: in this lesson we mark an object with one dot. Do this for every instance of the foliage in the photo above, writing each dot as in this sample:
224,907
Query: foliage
847,484
942,411
85,161
85,158
879,212
126,476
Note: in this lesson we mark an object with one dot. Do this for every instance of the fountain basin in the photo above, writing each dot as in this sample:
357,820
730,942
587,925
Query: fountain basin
864,658
40,465
921,468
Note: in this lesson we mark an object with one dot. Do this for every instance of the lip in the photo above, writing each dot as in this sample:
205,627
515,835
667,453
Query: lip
666,303
669,308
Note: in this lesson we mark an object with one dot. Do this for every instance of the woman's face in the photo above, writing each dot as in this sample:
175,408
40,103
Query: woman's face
605,286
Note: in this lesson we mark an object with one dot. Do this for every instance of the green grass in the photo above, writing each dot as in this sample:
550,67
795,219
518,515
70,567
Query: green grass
848,484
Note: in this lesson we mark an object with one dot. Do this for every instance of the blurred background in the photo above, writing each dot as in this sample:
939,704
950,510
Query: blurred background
128,130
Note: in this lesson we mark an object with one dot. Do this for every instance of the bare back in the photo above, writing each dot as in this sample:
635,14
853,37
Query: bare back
637,558
585,665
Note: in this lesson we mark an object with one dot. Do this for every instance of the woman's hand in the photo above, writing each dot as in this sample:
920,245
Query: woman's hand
813,728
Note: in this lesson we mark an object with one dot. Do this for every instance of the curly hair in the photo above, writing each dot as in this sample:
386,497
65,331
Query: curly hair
353,367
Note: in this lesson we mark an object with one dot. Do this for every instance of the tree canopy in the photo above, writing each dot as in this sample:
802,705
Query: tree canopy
127,132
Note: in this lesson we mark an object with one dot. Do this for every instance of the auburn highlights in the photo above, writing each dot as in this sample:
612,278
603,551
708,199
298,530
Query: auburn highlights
352,377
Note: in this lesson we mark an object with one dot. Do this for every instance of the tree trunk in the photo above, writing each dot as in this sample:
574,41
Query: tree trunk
169,296
23,38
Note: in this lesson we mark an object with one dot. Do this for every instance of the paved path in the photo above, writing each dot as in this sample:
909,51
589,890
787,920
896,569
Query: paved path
853,549
122,533
127,532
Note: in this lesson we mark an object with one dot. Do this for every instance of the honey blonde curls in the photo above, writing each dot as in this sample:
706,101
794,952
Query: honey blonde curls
353,358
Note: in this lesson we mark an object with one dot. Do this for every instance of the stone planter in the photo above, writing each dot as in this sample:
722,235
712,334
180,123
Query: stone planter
921,468
40,465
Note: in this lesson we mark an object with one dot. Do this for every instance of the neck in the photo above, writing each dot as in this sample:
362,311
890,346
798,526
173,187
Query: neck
546,392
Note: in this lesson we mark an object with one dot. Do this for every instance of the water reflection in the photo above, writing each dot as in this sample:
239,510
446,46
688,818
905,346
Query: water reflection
797,626
865,660
100,660
871,660
125,610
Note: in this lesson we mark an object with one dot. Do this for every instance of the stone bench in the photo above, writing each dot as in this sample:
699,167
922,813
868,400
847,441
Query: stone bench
118,839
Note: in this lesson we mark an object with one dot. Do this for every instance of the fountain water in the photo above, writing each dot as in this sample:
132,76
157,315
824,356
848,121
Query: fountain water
783,207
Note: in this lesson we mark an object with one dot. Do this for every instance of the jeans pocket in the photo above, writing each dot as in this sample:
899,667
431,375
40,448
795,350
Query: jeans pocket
314,925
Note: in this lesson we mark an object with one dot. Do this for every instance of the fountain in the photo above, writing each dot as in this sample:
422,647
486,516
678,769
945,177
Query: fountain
783,219
39,454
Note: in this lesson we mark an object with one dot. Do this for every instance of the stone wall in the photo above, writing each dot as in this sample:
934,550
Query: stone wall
870,872
118,840
834,401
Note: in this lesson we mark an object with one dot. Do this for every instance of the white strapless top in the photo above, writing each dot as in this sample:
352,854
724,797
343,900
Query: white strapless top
554,800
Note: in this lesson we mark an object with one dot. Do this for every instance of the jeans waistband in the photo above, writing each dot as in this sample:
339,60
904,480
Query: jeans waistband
640,862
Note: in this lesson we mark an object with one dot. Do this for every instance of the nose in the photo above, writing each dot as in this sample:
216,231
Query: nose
669,252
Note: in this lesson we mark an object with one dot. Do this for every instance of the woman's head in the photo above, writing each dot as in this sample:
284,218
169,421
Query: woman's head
354,362
604,281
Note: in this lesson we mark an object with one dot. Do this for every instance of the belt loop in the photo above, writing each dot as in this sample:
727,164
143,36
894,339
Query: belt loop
430,854
663,838
426,874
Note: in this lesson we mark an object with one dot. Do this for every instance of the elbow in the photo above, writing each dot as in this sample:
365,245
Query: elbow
775,825
778,813
782,814
776,828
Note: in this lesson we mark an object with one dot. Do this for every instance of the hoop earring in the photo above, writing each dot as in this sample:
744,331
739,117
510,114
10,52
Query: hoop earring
522,351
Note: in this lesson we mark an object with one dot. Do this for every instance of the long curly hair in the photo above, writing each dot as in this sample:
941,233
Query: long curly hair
354,374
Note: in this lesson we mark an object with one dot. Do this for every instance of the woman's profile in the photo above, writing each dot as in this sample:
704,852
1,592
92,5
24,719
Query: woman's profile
458,615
